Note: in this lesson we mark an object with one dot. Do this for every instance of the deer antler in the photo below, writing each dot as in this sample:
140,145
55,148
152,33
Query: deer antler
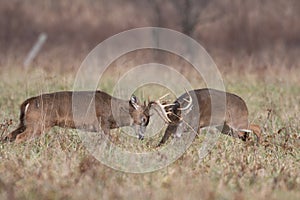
162,112
190,101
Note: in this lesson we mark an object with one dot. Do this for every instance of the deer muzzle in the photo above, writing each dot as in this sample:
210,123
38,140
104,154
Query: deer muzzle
140,130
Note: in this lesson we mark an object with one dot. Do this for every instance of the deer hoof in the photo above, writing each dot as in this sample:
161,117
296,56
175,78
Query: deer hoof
141,137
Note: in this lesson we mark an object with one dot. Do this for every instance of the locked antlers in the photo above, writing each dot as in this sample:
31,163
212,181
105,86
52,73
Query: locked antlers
164,109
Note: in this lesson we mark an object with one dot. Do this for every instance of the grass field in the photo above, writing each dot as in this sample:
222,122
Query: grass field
58,166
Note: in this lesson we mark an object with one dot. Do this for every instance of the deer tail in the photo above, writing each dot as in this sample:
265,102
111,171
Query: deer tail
23,111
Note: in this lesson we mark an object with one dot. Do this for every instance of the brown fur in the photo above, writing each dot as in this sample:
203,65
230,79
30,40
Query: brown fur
235,119
55,109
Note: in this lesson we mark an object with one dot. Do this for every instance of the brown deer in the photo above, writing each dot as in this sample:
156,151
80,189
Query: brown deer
38,114
230,118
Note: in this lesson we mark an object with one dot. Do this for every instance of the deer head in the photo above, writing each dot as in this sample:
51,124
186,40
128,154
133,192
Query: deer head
140,115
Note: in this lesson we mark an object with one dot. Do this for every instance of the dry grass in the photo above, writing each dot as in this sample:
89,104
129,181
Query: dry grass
57,165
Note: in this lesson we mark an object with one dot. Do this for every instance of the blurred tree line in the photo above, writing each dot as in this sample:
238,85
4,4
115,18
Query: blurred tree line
224,27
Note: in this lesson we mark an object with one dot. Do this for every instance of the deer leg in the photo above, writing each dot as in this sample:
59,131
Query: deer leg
23,136
225,129
30,133
243,135
228,130
256,130
171,129
12,136
105,126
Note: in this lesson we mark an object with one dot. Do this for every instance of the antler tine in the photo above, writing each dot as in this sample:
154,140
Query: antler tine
162,97
161,111
164,115
190,101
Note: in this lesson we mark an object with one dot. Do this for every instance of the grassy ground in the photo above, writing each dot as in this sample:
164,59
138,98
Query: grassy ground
57,165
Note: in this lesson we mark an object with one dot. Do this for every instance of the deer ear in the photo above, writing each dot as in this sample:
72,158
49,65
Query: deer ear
134,102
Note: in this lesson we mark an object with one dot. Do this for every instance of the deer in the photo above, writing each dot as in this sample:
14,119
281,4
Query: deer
230,118
40,113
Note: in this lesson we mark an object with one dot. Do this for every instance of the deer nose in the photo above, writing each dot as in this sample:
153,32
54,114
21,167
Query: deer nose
141,132
141,137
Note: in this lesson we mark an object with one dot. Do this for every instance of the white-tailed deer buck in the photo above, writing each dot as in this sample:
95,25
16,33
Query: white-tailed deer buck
230,118
38,114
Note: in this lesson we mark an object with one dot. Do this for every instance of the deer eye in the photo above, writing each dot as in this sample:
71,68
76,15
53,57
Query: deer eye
144,120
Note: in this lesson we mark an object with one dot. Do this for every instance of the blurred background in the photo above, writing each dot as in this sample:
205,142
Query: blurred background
253,34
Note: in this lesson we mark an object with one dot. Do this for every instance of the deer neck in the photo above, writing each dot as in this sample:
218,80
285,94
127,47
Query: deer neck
121,114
